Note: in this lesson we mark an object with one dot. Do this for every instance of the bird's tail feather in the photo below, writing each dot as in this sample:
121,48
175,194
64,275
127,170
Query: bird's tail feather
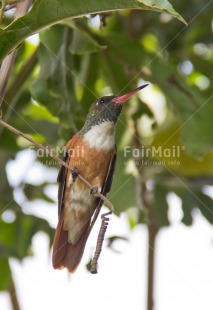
67,255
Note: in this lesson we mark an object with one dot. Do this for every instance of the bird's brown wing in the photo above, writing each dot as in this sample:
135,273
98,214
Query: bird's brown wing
108,181
62,175
107,185
66,254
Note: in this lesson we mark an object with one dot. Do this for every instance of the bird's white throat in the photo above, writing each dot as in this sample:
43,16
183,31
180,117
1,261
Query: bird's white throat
101,137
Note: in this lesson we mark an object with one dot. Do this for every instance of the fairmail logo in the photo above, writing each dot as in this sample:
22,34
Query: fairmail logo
153,152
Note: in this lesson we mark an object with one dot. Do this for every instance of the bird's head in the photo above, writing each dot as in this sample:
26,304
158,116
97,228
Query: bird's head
107,109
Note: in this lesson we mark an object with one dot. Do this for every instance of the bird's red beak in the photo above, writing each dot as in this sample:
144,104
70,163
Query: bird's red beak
123,98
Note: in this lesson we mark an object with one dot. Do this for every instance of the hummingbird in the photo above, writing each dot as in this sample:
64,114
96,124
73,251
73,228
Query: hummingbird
91,152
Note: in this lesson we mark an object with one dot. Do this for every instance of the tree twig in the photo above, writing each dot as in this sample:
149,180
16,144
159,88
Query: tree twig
51,154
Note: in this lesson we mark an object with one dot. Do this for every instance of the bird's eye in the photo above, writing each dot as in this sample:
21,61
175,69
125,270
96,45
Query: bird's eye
101,101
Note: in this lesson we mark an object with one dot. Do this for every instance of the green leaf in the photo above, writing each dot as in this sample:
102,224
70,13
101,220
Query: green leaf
39,112
5,274
89,73
16,237
33,192
198,128
46,13
205,204
142,108
7,233
161,205
187,205
122,194
168,137
194,111
45,130
8,141
112,72
125,50
203,65
82,43
54,86
192,197
6,191
187,216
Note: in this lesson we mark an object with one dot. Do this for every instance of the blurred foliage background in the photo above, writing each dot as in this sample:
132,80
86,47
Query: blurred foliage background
54,81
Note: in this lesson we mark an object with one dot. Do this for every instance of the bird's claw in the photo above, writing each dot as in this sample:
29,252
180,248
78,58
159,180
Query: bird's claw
94,190
75,173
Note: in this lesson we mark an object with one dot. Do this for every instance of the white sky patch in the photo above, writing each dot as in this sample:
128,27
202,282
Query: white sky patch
8,216
17,169
200,48
94,21
156,102
34,39
202,82
175,212
165,18
45,210
186,67
208,190
25,168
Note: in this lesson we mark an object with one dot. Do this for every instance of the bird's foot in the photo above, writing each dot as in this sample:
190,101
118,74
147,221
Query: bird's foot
75,173
94,190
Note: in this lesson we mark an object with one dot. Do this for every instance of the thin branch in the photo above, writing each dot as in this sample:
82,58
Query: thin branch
13,296
59,160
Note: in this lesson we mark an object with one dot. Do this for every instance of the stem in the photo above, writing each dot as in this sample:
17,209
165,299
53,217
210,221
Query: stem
51,154
14,91
21,77
7,64
5,71
153,229
152,232
13,295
